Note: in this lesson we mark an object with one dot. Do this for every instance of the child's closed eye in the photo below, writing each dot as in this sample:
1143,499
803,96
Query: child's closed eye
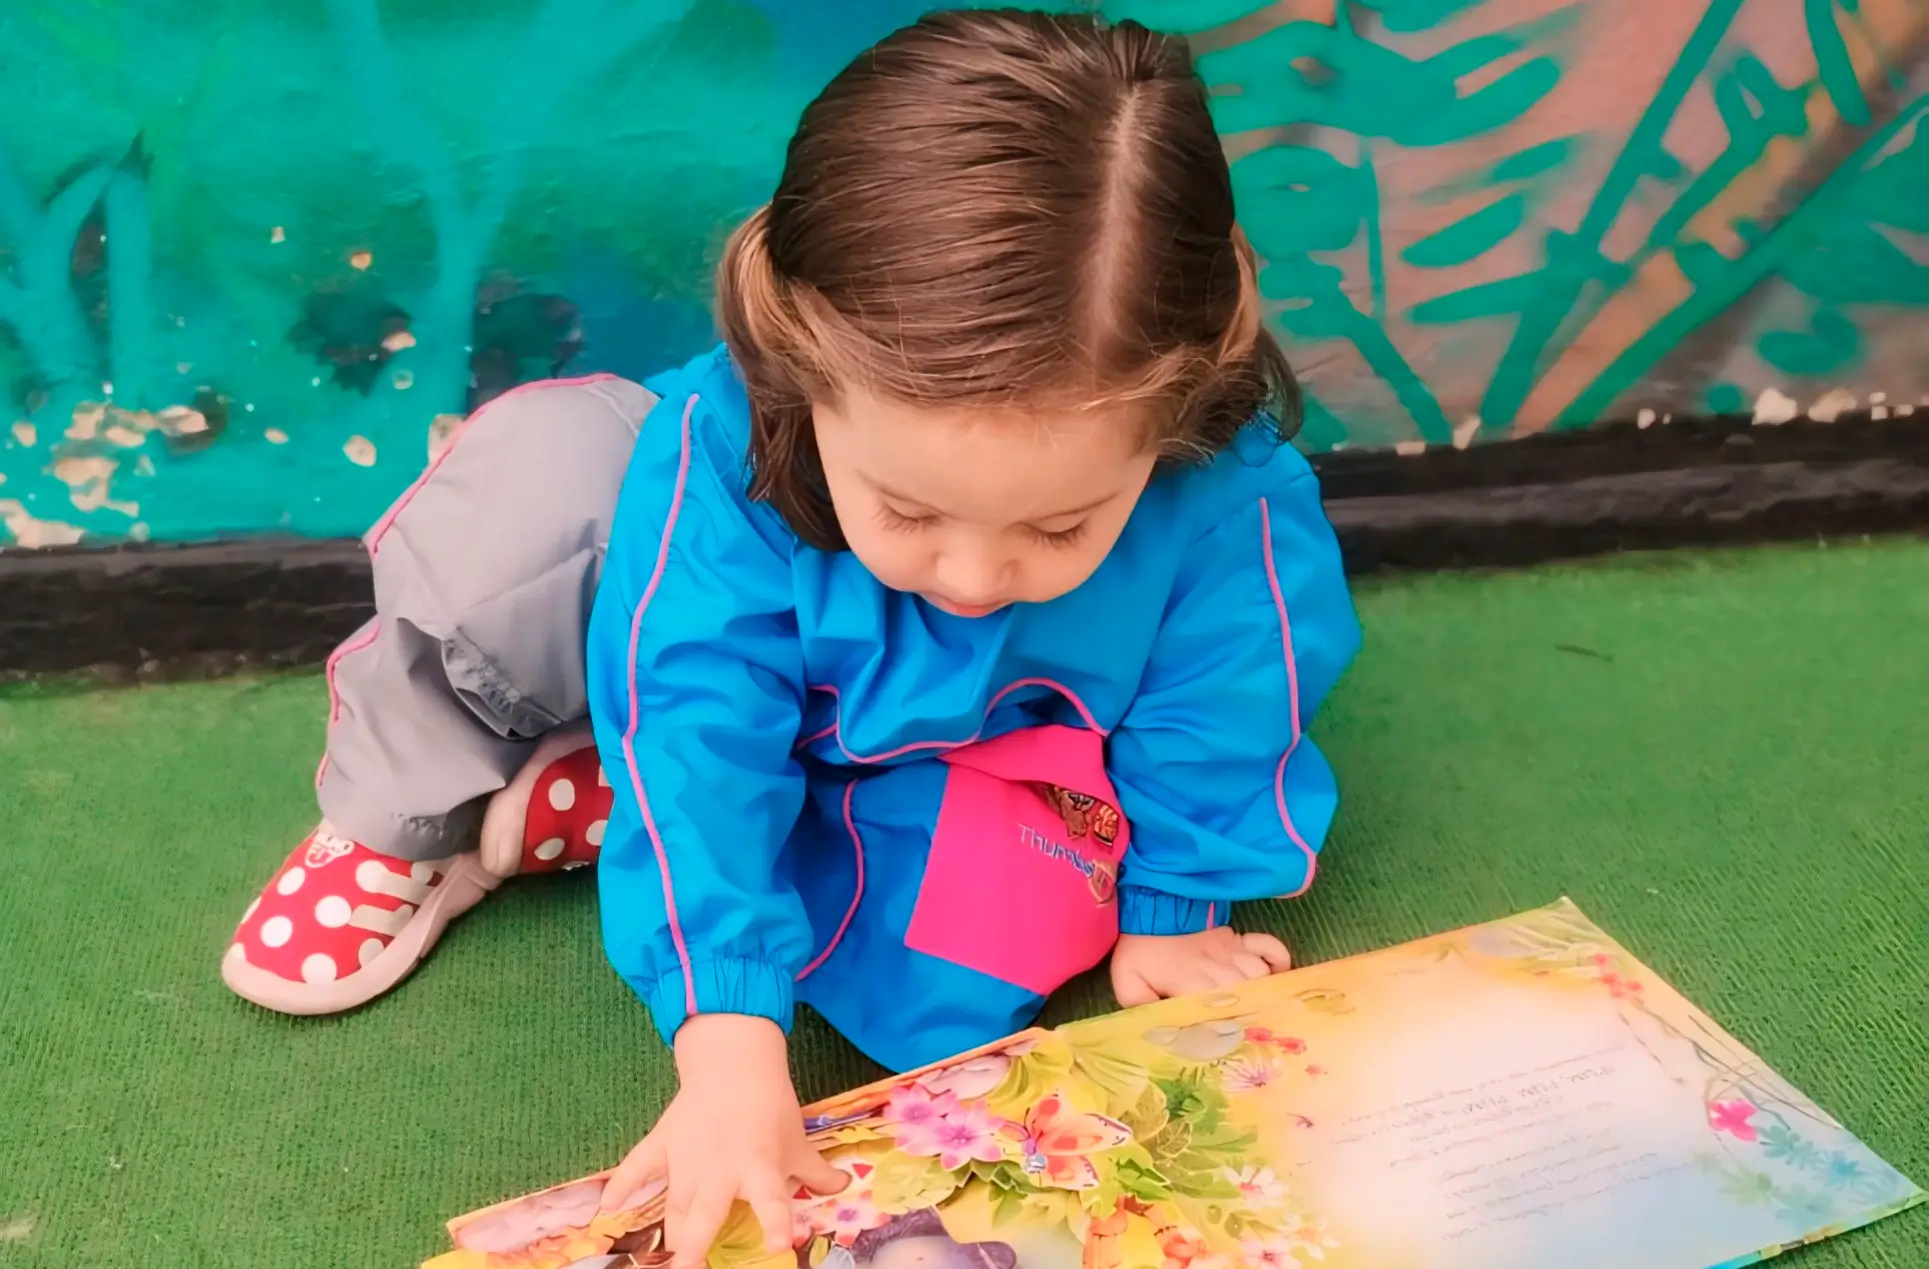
1058,537
891,518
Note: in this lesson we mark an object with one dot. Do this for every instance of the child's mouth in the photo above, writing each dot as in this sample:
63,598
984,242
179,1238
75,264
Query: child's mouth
964,610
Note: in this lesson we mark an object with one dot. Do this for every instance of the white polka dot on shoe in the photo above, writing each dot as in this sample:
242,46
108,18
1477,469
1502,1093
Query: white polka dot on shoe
567,813
334,912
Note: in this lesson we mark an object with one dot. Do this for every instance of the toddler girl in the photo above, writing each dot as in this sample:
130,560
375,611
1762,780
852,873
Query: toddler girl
959,626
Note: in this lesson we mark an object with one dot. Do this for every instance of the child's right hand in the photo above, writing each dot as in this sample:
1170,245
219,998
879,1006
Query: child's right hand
733,1131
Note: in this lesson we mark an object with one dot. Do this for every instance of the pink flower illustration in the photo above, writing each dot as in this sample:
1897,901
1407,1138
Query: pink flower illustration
963,1134
1258,1187
915,1108
1733,1118
921,1141
1284,1043
1267,1253
1247,1076
842,1217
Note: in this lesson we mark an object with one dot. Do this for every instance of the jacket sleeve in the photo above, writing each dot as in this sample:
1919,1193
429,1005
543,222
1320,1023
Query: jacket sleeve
1226,798
695,682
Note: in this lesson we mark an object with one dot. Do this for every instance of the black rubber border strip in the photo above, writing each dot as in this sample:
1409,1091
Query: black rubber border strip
186,611
179,611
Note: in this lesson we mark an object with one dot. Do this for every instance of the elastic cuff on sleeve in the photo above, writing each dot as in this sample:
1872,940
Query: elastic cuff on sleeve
756,988
1155,912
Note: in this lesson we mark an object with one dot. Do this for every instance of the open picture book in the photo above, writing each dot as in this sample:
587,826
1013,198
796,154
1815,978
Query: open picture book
1508,1096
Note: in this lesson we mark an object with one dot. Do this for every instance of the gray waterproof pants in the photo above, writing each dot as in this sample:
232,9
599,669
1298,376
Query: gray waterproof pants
485,570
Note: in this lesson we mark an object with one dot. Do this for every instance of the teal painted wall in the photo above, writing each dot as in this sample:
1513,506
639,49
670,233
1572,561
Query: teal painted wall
255,258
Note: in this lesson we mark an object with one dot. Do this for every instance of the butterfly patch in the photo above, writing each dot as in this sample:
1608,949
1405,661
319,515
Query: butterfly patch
1056,1143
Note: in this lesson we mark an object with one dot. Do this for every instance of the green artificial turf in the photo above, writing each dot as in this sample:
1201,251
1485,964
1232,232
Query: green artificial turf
1723,759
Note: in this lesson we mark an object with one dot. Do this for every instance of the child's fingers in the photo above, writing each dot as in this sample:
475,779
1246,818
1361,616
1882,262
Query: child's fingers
676,1215
1132,989
817,1174
642,1165
776,1221
1268,949
1250,966
1218,974
701,1222
771,1205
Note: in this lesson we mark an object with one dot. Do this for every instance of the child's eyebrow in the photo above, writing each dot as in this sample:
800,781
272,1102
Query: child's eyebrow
888,492
1075,511
921,505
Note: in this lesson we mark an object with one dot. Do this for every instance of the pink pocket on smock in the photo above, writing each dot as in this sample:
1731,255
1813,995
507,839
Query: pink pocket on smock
1022,879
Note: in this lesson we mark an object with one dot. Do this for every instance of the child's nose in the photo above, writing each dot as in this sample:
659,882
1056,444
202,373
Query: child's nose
974,575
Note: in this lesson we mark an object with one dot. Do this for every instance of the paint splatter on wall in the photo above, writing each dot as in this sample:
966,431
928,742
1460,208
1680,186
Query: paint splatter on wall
256,260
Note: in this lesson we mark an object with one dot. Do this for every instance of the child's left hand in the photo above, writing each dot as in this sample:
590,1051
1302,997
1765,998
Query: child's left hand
1147,967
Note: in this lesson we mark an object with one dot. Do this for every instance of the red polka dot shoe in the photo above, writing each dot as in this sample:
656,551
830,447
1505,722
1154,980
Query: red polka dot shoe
340,924
552,816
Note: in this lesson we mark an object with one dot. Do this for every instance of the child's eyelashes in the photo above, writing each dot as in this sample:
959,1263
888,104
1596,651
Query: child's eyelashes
1059,537
904,522
892,518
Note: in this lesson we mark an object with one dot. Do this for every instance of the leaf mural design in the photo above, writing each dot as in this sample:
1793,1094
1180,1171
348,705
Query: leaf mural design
1473,218
1307,209
1471,236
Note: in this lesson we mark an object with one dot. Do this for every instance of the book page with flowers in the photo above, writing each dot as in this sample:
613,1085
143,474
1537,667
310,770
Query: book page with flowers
1508,1096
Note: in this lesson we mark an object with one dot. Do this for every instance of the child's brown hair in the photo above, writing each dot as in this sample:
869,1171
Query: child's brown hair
996,207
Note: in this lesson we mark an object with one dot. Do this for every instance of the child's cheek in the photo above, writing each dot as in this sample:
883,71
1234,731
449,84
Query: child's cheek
894,562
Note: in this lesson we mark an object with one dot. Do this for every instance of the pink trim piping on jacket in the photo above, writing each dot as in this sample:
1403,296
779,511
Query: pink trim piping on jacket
354,644
388,519
850,913
816,736
629,732
1292,689
837,728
